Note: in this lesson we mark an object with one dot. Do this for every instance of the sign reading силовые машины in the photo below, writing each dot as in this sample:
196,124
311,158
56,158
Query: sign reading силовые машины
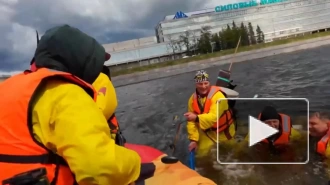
241,5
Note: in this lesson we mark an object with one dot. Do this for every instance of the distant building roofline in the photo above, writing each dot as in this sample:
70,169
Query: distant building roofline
130,44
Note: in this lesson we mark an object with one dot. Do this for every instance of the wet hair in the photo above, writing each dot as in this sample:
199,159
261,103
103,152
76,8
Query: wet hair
321,115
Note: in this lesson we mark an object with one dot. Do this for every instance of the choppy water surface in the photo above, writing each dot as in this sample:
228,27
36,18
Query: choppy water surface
146,111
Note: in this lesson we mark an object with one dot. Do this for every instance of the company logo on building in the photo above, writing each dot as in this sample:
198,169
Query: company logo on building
179,15
241,5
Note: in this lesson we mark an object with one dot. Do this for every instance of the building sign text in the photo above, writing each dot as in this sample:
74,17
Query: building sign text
241,5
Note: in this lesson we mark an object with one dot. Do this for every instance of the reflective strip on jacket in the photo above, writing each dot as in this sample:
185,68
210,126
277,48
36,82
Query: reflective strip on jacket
20,152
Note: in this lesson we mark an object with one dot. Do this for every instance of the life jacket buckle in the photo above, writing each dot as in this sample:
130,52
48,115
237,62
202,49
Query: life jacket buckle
32,177
120,139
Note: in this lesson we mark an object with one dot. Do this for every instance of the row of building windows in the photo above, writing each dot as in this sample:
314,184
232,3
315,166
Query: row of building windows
278,17
298,17
265,24
165,49
268,26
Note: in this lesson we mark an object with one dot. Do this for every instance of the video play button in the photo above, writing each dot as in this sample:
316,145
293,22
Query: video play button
259,131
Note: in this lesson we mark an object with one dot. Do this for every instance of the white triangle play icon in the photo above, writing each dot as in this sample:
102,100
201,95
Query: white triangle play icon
259,131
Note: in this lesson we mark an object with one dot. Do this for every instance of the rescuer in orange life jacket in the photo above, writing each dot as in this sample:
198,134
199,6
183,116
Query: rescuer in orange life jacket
281,122
202,116
106,100
319,123
49,118
319,128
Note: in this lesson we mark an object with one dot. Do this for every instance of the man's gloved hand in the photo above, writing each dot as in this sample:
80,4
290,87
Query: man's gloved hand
147,171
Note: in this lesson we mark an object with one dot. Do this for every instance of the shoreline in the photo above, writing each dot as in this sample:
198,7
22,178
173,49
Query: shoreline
172,70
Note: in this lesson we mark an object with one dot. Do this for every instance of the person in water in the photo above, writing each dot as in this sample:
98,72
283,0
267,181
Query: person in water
319,128
319,123
202,116
281,122
57,124
279,142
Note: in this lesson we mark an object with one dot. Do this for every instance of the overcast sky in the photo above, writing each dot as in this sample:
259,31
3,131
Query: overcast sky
106,20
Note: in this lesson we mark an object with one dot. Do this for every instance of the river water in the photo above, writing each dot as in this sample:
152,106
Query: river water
146,111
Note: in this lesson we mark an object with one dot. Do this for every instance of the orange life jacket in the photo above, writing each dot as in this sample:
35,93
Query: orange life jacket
113,124
225,120
20,151
321,146
286,130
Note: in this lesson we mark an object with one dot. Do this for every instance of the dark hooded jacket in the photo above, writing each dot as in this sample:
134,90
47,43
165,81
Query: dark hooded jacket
67,49
82,133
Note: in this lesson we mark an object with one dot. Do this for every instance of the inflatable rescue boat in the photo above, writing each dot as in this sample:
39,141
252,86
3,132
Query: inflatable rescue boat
161,169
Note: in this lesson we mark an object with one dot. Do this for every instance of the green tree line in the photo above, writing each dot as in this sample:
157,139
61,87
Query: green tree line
225,39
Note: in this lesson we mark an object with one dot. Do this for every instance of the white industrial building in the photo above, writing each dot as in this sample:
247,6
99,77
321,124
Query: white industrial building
276,18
